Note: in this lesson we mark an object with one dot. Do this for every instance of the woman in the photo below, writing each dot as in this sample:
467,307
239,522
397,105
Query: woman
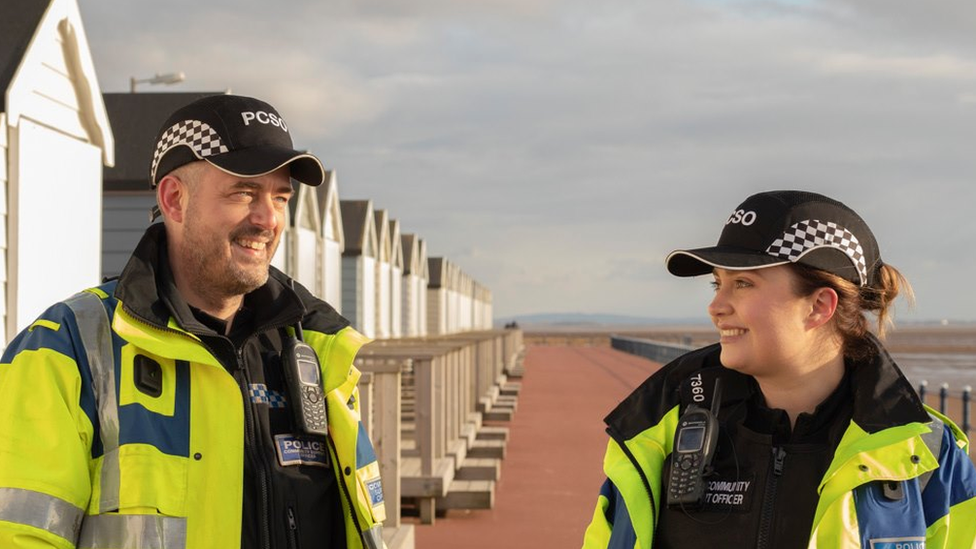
819,441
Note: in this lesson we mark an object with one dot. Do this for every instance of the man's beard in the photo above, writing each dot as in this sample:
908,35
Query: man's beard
213,274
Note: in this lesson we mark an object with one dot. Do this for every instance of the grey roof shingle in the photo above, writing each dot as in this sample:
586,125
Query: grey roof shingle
354,218
435,266
18,23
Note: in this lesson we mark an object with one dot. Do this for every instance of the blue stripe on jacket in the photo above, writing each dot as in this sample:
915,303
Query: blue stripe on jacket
952,483
622,535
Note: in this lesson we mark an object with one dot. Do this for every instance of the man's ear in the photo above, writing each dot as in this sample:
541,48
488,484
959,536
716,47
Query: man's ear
171,195
822,307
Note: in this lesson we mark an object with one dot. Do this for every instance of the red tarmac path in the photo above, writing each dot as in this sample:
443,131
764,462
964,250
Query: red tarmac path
553,469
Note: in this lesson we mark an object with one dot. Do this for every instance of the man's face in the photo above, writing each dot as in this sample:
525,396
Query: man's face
231,230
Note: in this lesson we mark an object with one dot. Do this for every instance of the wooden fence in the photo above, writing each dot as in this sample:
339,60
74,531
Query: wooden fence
423,402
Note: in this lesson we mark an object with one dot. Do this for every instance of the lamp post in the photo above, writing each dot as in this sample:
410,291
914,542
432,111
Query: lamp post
169,78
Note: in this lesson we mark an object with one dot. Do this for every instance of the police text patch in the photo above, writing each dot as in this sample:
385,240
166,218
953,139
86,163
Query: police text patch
302,450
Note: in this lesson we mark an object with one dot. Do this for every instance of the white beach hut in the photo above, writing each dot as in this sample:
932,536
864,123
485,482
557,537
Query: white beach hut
382,274
332,241
282,257
303,234
55,137
437,296
487,311
410,292
359,265
423,278
465,289
396,276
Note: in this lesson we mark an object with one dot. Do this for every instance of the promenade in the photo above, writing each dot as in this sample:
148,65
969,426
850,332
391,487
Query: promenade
553,470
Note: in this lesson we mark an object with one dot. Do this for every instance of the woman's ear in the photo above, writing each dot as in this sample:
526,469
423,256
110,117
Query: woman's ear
823,304
171,195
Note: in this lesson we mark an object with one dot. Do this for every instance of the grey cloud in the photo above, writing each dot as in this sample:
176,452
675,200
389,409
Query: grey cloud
559,149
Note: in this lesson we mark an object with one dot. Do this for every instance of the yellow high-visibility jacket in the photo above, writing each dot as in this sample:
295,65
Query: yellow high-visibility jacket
88,460
908,443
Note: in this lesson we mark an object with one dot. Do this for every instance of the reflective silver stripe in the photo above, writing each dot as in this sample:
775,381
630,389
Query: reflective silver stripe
41,511
133,532
933,440
373,538
96,335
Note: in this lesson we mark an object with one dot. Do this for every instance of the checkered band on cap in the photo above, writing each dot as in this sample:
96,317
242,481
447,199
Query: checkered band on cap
197,135
810,234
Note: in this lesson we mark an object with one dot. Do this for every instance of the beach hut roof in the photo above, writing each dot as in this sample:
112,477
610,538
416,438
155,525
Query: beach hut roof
357,225
396,246
437,269
17,28
328,198
381,219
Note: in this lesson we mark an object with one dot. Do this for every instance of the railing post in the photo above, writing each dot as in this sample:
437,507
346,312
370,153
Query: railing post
943,398
922,387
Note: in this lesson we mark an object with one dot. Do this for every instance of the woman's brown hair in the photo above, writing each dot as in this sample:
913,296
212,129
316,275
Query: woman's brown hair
854,302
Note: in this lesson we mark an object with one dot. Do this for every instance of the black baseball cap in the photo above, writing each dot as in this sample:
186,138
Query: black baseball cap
239,135
780,227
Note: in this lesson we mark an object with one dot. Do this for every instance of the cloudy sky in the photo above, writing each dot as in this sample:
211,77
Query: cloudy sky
557,150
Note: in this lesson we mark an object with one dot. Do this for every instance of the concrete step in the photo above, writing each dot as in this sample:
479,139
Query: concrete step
468,494
494,449
511,388
480,469
492,432
500,414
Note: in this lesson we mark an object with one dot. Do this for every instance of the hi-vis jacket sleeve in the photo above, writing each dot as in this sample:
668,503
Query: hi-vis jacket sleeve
611,527
949,498
46,434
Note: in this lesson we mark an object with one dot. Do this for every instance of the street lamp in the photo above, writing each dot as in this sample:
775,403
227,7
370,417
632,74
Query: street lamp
169,78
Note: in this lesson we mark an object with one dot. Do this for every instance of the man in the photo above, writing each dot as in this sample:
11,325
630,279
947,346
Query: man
154,410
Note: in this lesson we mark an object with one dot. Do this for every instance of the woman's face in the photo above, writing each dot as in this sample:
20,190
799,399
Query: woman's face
764,326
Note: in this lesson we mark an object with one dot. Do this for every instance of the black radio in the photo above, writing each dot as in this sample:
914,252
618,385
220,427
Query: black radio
305,393
695,440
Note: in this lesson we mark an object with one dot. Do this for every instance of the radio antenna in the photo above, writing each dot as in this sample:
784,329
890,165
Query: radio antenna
717,396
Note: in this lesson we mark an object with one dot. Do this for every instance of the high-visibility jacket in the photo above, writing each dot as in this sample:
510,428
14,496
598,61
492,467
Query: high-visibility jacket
89,460
891,437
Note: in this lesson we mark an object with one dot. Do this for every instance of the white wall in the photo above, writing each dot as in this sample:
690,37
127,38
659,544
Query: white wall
3,229
280,258
396,284
382,300
332,277
359,293
437,311
408,307
305,249
56,226
422,306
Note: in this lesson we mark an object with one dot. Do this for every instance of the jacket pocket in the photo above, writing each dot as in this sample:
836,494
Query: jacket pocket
140,479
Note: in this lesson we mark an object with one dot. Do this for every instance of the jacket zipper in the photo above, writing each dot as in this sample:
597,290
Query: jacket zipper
292,529
769,501
643,477
253,455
